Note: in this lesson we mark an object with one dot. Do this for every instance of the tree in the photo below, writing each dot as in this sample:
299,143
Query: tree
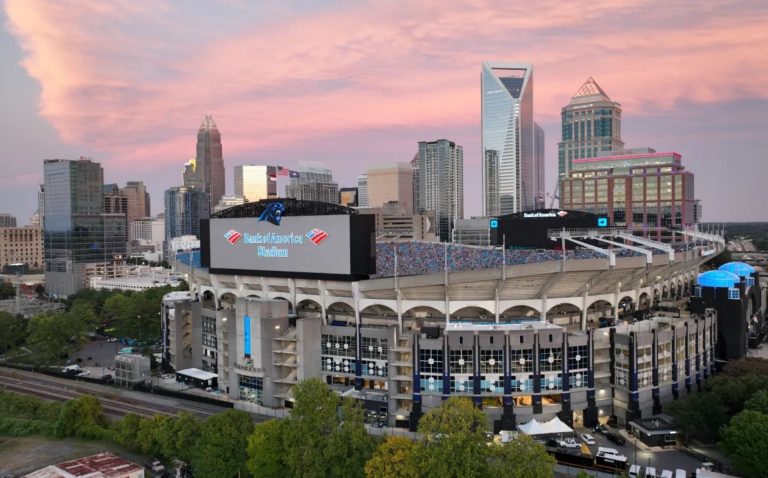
453,443
81,417
221,448
393,457
152,435
744,441
182,442
266,448
127,431
521,458
700,415
758,402
53,337
14,331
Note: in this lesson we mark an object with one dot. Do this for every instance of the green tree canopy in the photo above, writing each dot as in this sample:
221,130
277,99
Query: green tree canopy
744,440
81,417
221,448
266,449
14,331
326,434
393,458
127,431
453,443
54,336
521,458
758,402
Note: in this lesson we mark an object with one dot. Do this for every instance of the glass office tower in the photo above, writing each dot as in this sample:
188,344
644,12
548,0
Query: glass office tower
184,207
509,164
77,235
255,182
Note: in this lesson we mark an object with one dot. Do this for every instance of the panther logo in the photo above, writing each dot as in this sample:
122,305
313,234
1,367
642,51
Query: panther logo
273,213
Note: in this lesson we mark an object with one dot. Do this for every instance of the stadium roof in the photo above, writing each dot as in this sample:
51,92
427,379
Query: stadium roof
718,279
293,207
741,269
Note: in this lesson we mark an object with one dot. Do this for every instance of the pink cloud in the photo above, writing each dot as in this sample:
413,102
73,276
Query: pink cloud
138,97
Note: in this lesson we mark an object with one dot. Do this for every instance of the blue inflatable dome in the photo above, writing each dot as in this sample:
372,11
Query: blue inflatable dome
739,268
718,279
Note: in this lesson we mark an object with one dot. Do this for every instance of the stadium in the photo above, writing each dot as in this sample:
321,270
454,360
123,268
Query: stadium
572,332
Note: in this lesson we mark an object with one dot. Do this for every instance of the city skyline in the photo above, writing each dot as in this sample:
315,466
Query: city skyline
73,95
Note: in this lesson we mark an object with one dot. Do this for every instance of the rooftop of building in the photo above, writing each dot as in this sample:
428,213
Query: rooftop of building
654,424
589,92
102,465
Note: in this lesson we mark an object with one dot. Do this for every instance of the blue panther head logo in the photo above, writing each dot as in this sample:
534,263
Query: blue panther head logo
273,213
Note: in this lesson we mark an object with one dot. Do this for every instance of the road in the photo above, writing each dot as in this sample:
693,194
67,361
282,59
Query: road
115,402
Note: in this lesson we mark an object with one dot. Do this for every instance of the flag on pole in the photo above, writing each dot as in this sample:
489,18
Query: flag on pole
281,171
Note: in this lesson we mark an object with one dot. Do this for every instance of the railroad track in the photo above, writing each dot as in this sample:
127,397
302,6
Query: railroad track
29,383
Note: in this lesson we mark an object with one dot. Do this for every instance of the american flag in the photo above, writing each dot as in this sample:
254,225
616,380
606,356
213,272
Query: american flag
281,171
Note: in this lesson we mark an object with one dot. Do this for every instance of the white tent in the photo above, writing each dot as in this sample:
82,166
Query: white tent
552,427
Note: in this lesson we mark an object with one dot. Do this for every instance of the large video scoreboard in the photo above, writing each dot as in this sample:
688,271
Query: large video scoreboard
529,229
336,246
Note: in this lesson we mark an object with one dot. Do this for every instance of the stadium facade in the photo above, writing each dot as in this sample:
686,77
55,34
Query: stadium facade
523,333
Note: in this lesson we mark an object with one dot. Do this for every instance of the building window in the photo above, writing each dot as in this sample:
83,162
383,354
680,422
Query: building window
733,294
550,359
491,361
251,389
578,357
461,361
521,361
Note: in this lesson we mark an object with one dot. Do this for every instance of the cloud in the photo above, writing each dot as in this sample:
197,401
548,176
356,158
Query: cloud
133,79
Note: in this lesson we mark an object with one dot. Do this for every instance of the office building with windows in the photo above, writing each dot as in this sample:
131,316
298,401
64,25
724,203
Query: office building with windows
207,171
255,182
362,191
315,183
77,236
591,127
392,182
647,191
184,208
441,184
509,166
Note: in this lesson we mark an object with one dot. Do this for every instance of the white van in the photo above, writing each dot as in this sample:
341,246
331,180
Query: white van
680,473
634,471
666,474
650,472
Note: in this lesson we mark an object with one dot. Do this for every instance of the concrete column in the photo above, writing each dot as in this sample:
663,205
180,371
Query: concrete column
584,312
544,309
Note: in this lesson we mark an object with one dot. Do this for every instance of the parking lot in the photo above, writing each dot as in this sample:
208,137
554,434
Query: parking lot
661,459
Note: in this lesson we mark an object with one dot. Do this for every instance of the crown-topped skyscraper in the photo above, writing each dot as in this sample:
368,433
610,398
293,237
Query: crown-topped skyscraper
591,127
209,161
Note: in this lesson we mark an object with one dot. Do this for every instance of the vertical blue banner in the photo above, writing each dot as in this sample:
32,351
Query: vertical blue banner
247,336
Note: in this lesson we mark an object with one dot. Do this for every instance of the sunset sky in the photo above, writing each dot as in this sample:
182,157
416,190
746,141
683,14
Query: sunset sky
128,82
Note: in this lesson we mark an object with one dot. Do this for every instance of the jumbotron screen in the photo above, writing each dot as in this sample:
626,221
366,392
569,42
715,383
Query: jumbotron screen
529,229
334,246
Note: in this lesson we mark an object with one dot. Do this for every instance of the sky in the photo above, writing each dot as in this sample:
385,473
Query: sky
127,82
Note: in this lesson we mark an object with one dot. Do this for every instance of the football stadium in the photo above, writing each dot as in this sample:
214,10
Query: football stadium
592,327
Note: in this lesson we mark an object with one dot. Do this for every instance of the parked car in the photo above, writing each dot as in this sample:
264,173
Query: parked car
568,443
600,428
107,378
616,438
634,471
587,438
650,472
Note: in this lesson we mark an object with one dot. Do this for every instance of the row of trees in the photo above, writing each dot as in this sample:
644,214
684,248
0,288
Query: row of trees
732,407
324,436
53,336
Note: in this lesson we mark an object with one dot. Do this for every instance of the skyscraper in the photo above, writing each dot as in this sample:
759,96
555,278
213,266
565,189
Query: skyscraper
538,151
509,169
441,183
362,190
315,183
209,162
138,200
391,182
184,207
591,127
416,195
255,182
191,177
77,234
